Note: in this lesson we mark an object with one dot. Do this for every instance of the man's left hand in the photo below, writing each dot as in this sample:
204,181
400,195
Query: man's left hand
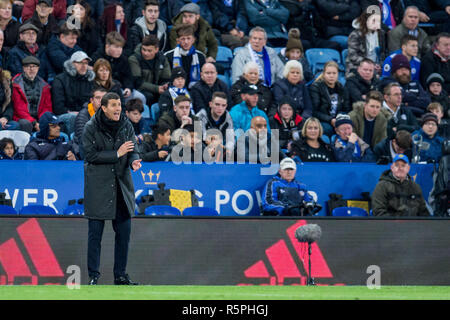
136,165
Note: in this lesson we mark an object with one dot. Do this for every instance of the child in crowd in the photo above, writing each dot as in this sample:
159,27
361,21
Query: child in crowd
8,150
134,109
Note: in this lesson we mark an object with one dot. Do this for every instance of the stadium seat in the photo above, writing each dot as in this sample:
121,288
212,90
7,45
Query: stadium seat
7,209
349,212
146,113
344,55
224,57
74,210
200,211
162,211
20,138
225,79
62,134
37,209
72,135
236,50
317,57
155,112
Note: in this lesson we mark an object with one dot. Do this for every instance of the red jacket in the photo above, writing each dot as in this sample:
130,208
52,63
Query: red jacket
20,100
59,9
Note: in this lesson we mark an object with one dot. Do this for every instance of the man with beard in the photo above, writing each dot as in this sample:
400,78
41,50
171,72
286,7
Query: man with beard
414,96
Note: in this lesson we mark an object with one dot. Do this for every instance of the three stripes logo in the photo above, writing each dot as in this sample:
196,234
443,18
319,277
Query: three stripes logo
31,260
284,261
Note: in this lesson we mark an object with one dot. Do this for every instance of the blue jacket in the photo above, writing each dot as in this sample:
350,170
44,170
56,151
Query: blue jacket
57,53
435,150
273,199
414,63
242,117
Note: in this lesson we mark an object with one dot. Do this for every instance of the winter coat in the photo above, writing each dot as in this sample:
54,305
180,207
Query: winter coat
357,87
70,91
16,156
21,109
90,40
148,76
288,131
59,9
226,18
347,153
169,118
201,94
321,101
265,100
104,173
394,198
44,149
11,35
225,123
242,117
358,119
404,120
432,63
439,196
149,150
243,56
299,94
120,66
434,152
346,10
58,53
383,150
186,63
205,40
271,16
300,148
395,36
6,107
48,30
139,30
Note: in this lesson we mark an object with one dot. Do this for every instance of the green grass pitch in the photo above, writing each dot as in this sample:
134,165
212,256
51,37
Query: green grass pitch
103,292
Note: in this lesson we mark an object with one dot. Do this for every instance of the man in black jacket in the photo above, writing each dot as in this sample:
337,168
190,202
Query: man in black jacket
45,21
436,60
386,150
362,81
109,145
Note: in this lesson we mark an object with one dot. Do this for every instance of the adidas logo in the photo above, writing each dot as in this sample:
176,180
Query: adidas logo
286,263
33,265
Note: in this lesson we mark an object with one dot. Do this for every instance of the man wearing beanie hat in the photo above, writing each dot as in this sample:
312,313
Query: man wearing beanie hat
31,95
414,96
177,87
348,147
205,40
49,145
429,136
437,93
396,193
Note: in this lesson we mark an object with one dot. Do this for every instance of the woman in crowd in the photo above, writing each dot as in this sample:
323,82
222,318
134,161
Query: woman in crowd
103,78
113,19
329,97
8,150
293,85
90,39
249,76
311,147
9,25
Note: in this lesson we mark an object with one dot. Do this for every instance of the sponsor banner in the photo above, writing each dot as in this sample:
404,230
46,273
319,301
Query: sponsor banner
232,189
233,251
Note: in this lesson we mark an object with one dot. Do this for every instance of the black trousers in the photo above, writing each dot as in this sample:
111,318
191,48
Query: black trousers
122,228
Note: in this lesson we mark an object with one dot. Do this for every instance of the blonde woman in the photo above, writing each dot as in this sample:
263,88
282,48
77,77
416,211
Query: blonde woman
8,25
329,97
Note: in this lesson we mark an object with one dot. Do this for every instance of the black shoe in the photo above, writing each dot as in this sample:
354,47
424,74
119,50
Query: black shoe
124,280
93,281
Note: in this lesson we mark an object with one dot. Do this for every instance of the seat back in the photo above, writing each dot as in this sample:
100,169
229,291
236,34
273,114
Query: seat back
74,210
226,79
161,210
200,211
224,57
37,209
20,138
62,135
4,209
349,212
317,57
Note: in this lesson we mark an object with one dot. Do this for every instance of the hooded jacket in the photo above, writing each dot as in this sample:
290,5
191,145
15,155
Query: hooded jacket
286,130
321,101
57,53
299,94
434,152
225,123
139,30
394,198
70,91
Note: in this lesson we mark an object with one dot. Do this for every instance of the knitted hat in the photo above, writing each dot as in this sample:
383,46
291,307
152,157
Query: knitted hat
435,77
286,100
342,119
400,61
294,40
429,117
177,73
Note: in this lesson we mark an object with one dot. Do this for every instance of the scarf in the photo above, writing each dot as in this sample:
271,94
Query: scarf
357,152
175,92
195,65
110,125
387,16
265,73
436,52
91,109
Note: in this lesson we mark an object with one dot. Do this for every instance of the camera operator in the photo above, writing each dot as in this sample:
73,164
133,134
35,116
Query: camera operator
285,196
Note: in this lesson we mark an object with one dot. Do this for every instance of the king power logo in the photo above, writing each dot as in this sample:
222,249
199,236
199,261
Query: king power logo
31,260
289,265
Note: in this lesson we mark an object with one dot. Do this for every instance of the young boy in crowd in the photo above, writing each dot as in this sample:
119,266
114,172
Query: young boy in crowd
134,109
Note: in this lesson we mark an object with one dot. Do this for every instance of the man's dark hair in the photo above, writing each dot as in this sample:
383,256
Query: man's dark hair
407,38
116,38
109,96
5,141
403,139
134,104
65,30
160,128
219,94
374,95
366,60
182,98
151,3
151,40
189,128
98,89
185,30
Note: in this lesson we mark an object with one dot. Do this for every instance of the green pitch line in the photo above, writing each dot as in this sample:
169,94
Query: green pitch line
223,293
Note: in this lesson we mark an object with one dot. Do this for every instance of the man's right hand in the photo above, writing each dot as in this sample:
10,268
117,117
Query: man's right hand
125,148
353,138
162,154
36,126
3,122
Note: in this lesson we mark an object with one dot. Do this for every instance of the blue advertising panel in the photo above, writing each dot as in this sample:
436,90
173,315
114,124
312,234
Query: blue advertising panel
231,189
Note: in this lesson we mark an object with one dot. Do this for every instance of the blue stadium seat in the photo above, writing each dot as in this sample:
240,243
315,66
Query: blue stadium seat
200,211
7,209
37,209
278,49
344,55
317,57
62,135
162,211
155,112
349,212
146,113
74,210
224,56
225,79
